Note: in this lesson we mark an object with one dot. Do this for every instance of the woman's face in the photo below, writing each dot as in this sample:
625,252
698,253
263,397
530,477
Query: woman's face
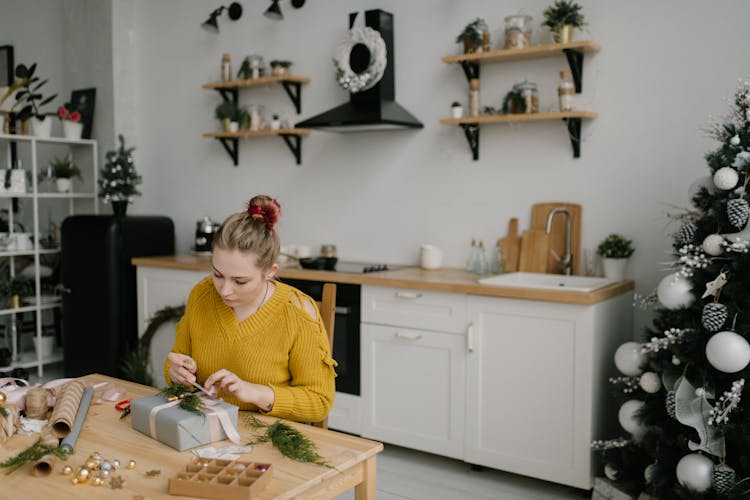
238,279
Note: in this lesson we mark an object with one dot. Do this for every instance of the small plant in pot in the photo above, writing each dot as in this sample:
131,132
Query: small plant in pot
63,170
280,67
30,100
561,18
12,289
614,250
227,112
457,111
475,36
275,122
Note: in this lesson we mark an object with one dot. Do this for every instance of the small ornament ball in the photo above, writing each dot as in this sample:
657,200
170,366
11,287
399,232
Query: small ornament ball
695,471
649,473
676,361
735,140
626,416
728,352
674,291
611,472
726,178
628,359
131,465
650,382
67,470
713,244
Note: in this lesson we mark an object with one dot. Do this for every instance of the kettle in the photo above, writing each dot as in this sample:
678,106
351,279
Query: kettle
204,234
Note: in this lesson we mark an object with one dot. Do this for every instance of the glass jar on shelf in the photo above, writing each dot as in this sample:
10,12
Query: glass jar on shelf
565,91
530,93
257,118
517,31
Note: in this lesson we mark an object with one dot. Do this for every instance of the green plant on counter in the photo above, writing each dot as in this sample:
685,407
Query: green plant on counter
455,104
226,111
64,168
615,246
563,12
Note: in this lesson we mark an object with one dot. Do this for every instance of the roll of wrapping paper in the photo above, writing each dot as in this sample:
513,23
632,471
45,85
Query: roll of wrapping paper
69,442
66,408
36,403
43,466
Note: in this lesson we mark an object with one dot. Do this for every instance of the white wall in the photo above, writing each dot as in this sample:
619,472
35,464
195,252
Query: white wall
663,71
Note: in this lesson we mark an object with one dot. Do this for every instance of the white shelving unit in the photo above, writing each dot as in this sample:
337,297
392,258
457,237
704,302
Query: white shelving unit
40,210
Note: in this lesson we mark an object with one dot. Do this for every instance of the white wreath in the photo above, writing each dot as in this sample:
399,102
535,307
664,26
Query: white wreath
345,76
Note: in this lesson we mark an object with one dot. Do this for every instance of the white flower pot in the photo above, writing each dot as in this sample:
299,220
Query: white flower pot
41,128
47,346
64,185
614,269
457,111
72,130
275,124
234,127
17,181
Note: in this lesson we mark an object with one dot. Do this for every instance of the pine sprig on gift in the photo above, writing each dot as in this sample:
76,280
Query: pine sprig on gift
289,441
32,454
188,399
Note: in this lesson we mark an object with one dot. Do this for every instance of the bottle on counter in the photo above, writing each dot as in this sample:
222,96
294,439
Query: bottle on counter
481,266
565,91
470,261
474,97
226,68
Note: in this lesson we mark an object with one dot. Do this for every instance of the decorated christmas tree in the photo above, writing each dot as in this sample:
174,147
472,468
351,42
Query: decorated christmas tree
687,423
118,176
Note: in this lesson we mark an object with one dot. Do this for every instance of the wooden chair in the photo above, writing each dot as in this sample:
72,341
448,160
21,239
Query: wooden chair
327,308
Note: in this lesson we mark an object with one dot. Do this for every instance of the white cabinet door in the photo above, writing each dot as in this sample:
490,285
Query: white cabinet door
531,377
413,388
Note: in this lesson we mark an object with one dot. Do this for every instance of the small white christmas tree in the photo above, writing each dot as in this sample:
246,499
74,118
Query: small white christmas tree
118,176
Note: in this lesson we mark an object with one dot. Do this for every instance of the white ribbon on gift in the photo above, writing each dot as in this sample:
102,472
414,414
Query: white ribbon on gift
215,426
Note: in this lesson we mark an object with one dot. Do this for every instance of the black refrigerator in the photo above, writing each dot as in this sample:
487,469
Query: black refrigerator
99,306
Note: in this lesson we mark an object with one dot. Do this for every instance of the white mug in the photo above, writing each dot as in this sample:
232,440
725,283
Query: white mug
431,257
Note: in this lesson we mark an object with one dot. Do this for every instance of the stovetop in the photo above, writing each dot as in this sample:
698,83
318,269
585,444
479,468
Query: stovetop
363,267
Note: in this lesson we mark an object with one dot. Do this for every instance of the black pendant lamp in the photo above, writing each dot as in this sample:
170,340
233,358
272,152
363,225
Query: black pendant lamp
274,11
234,11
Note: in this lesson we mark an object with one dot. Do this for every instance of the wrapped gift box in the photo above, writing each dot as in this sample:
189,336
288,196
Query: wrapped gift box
178,428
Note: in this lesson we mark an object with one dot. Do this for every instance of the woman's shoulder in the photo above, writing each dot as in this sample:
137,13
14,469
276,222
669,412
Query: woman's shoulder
297,302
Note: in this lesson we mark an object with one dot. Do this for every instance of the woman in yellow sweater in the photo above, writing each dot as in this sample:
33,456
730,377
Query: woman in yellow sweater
259,342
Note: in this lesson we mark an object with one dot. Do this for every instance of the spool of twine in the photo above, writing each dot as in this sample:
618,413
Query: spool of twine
45,465
66,408
8,424
36,403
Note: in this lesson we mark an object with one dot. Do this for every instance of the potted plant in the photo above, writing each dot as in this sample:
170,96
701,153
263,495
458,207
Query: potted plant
457,111
561,17
226,112
119,178
280,67
12,289
275,122
63,170
71,121
615,250
30,100
475,36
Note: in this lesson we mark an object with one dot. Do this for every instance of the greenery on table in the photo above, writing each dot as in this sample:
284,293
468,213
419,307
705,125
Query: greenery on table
189,400
289,441
32,454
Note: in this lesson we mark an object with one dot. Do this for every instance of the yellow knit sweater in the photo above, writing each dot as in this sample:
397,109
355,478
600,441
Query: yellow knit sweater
279,345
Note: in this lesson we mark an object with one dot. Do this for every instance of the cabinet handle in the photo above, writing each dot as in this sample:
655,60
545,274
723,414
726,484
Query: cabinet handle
408,295
470,338
408,336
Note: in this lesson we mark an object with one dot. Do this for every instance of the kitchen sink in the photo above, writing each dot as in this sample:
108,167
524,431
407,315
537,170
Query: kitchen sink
547,281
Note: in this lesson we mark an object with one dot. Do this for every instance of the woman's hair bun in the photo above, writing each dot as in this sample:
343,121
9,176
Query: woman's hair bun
264,209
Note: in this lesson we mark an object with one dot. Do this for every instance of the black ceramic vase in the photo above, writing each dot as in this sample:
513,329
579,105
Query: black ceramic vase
119,208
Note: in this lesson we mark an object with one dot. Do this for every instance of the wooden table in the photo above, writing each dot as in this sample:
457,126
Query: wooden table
352,457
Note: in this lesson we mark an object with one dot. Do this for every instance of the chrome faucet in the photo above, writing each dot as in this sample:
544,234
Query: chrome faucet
566,263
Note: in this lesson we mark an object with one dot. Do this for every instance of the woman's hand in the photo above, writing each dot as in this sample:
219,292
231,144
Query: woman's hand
227,382
182,368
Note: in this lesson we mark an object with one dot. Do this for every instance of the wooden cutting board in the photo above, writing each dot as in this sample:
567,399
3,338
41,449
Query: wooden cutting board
534,251
510,246
539,213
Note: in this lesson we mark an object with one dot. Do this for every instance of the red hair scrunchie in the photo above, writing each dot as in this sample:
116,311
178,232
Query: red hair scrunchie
257,213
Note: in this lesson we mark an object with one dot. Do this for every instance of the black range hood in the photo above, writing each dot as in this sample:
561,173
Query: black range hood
375,108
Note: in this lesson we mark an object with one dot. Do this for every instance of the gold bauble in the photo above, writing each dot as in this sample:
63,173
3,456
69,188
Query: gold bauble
92,463
131,465
82,475
97,481
3,397
67,470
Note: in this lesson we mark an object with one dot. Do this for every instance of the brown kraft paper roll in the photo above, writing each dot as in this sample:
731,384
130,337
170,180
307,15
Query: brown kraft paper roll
66,408
43,466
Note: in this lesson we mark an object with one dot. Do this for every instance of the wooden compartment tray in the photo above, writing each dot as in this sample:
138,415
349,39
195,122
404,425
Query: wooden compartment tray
224,479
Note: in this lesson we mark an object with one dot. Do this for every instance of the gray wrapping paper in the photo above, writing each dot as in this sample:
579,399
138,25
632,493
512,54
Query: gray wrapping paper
68,443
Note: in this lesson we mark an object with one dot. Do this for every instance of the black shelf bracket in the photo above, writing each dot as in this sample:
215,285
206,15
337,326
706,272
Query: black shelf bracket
294,141
471,69
229,95
471,131
294,90
232,147
574,131
575,61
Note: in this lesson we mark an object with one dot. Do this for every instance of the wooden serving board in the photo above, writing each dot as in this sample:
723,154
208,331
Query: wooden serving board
534,251
539,213
510,246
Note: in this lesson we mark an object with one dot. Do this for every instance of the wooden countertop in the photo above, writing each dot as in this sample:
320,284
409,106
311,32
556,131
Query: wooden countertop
439,280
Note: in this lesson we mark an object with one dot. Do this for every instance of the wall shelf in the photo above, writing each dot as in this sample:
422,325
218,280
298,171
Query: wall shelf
571,118
230,140
230,92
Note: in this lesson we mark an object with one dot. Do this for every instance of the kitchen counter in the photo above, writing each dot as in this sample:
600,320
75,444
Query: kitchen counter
440,280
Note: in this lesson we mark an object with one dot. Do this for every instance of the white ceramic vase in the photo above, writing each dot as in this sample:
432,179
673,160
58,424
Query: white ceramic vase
72,130
275,124
614,269
41,128
457,111
234,127
64,185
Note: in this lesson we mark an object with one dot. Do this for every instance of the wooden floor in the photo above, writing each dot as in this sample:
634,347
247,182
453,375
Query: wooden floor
407,474
404,474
